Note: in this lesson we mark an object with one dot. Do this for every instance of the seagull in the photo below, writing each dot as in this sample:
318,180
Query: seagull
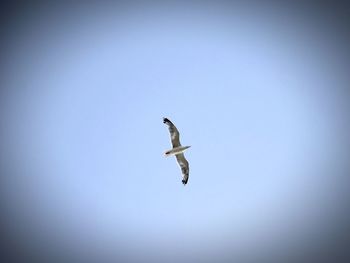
177,150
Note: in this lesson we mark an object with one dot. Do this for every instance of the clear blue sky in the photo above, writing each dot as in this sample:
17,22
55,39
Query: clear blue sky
250,92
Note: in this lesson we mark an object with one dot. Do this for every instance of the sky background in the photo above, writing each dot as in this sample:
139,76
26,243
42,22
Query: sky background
259,92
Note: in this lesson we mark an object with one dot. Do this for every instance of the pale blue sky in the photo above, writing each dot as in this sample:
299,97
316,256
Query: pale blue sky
251,93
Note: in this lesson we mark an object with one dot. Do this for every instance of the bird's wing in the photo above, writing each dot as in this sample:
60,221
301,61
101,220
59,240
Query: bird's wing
174,133
185,169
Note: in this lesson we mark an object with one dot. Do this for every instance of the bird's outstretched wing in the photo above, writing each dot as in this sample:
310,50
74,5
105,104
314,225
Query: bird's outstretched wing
174,133
185,169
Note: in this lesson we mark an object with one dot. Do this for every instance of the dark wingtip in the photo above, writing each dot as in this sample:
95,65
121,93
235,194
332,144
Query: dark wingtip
165,120
184,182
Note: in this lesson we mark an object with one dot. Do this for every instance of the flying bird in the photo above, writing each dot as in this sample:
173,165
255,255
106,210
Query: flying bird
177,150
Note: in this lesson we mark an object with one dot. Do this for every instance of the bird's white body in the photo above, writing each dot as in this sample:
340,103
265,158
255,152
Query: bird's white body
176,150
